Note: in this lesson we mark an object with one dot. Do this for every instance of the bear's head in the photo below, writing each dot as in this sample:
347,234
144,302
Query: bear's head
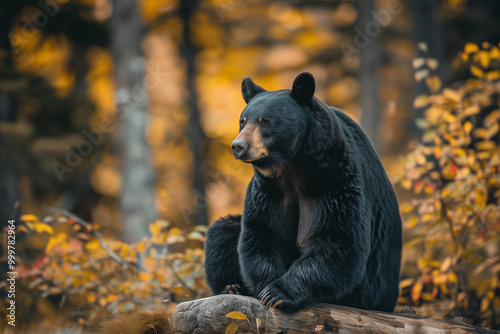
273,124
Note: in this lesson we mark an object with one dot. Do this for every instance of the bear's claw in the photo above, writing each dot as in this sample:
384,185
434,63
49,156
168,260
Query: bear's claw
232,289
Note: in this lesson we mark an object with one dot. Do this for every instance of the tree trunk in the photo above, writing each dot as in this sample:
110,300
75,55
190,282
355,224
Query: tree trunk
428,31
195,133
9,177
208,315
137,199
369,62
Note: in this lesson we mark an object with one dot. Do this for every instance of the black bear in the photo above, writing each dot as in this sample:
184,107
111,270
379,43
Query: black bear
320,220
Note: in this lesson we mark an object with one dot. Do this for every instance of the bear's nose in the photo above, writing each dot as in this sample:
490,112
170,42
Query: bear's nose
239,147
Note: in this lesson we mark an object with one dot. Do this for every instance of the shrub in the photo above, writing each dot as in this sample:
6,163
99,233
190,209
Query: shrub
455,171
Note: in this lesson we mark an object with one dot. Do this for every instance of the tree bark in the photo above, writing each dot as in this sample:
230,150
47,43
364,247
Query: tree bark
369,63
137,192
426,30
208,315
195,133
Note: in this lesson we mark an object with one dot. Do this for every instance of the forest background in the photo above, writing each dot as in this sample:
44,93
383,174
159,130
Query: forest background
116,119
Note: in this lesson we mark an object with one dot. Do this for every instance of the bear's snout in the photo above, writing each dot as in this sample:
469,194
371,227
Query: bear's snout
239,148
248,146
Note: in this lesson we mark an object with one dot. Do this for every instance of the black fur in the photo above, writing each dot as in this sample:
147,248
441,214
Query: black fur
320,221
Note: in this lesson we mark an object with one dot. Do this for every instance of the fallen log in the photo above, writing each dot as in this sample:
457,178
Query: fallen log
209,315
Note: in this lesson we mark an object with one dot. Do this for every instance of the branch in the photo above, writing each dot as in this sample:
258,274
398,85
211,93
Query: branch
85,224
208,315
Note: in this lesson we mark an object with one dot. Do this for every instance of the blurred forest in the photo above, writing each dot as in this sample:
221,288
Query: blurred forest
116,119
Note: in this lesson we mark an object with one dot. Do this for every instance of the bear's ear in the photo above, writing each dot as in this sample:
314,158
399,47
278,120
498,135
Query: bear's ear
249,89
303,88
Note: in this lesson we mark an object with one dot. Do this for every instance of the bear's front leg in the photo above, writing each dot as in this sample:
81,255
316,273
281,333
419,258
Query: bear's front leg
262,257
275,295
332,264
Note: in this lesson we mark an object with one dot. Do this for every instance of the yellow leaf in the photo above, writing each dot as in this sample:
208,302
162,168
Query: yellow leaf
468,127
476,71
29,218
446,264
420,159
494,53
231,328
439,279
415,291
421,101
432,63
405,183
145,277
486,145
91,297
258,322
472,110
427,217
484,58
491,118
405,283
437,205
403,301
157,227
418,62
451,94
93,245
427,296
41,227
452,278
174,231
413,221
434,83
485,303
236,315
470,48
407,208
493,129
492,75
480,133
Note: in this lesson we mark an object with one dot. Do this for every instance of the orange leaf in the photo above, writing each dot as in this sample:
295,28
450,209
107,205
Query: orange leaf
415,292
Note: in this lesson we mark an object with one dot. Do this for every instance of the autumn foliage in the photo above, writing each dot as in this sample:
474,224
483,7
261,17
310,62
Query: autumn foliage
454,171
103,276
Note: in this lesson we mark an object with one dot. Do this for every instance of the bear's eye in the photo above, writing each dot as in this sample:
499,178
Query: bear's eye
264,121
243,121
